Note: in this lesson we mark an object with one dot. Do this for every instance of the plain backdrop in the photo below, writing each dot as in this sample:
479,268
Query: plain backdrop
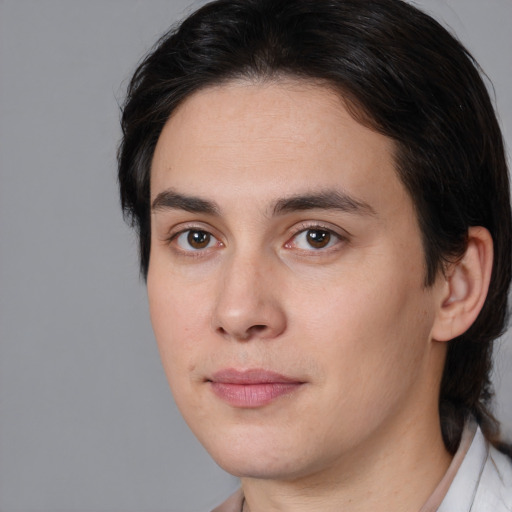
87,422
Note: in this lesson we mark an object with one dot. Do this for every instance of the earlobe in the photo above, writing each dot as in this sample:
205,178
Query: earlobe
465,287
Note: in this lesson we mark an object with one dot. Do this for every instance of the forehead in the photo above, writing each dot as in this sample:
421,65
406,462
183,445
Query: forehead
256,139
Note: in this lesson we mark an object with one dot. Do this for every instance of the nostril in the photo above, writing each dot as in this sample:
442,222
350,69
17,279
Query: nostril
259,317
254,331
247,334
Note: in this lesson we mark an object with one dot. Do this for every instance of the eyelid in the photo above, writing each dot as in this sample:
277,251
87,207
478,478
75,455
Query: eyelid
176,231
340,234
320,225
180,227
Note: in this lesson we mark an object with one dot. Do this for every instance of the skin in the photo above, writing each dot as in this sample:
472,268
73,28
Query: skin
350,320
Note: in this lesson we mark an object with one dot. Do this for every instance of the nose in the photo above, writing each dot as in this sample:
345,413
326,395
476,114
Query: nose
247,303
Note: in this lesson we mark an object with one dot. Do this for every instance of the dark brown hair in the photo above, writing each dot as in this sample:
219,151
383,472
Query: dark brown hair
406,77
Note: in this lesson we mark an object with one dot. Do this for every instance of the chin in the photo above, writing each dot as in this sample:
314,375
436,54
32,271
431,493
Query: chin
266,468
264,455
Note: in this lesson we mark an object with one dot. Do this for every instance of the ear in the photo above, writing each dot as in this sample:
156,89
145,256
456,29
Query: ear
464,287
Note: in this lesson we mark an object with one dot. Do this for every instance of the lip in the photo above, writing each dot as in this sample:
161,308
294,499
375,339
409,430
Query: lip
251,388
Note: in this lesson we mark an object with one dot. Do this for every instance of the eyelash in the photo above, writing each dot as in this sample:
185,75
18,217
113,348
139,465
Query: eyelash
300,229
304,228
194,252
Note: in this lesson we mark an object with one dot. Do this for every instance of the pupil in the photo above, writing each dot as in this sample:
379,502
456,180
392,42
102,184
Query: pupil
198,239
318,238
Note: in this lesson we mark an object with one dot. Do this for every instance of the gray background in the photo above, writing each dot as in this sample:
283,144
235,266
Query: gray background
86,420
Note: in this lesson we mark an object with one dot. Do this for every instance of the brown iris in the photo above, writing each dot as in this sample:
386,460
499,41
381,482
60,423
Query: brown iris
318,238
198,239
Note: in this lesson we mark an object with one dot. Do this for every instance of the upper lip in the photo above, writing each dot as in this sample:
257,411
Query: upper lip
251,376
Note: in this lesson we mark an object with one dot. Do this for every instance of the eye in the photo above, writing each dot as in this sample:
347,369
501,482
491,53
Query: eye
314,238
195,240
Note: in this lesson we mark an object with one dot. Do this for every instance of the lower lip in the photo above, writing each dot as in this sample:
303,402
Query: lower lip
252,395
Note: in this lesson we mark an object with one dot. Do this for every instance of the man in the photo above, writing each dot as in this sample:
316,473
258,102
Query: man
321,195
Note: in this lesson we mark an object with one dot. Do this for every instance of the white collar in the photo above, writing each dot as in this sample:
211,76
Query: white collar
483,482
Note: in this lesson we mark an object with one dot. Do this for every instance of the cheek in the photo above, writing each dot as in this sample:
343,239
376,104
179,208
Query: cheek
367,324
372,354
179,323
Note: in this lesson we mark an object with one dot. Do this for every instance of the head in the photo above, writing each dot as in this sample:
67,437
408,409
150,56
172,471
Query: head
398,74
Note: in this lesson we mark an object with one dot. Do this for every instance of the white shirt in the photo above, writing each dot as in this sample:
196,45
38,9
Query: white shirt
483,482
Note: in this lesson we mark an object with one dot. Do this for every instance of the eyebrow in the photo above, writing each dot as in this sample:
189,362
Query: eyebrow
328,200
169,199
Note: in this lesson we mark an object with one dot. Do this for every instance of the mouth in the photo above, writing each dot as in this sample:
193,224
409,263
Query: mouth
251,388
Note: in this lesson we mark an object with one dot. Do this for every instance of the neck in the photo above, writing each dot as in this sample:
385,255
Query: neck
395,471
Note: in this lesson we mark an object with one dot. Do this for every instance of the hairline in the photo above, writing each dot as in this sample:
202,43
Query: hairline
348,100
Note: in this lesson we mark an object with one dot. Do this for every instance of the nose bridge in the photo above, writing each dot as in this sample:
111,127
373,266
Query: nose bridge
247,302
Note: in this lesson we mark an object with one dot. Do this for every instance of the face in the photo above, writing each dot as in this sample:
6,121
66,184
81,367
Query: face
286,280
